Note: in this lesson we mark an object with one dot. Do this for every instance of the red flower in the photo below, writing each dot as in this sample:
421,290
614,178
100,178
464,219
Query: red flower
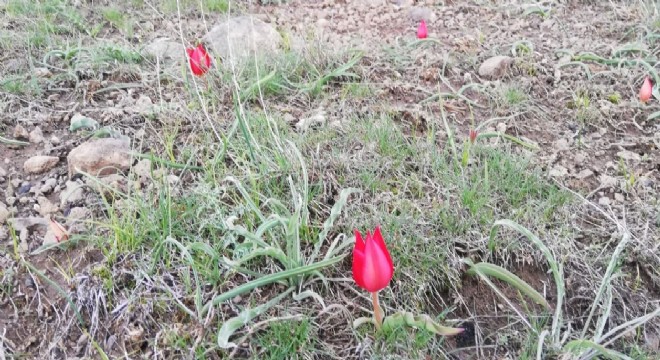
372,264
646,91
473,136
421,30
200,61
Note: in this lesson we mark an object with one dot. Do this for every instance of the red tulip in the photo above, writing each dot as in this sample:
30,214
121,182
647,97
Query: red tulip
646,91
473,136
372,264
200,61
421,30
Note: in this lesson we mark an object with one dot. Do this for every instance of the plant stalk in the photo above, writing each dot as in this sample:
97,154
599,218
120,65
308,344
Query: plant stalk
378,312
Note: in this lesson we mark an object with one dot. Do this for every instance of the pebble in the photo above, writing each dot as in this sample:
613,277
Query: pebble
48,186
36,136
20,133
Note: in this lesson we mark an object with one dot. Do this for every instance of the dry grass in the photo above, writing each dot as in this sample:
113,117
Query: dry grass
240,237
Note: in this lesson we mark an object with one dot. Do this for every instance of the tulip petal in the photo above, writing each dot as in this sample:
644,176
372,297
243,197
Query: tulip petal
358,259
378,237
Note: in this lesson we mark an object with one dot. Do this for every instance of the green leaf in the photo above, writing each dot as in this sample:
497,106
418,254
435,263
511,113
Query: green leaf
404,318
4,140
82,122
230,326
269,279
505,275
580,345
329,222
653,116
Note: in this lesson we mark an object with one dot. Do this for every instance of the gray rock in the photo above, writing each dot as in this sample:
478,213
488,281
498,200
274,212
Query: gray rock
495,67
242,37
418,13
48,186
3,172
27,223
561,145
73,192
4,213
584,174
20,133
166,50
558,171
143,169
100,157
39,164
36,136
143,106
76,214
46,207
42,72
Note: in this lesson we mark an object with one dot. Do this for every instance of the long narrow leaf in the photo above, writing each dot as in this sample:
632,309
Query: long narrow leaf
555,267
269,279
329,222
510,278
230,326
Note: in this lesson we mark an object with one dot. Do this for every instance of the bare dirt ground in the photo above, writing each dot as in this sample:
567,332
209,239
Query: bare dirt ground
231,178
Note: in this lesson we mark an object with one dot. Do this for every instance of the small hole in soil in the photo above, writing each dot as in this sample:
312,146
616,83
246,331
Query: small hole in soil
466,338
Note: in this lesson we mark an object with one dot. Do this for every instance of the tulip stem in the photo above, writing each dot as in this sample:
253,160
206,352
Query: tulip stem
378,312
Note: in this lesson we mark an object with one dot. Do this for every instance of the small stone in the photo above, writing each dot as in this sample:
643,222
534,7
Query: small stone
112,183
36,136
165,49
100,157
604,201
561,145
143,106
3,172
4,213
420,13
495,67
629,155
20,133
39,164
76,214
501,128
42,72
54,140
24,189
48,186
46,207
584,174
619,197
242,37
558,171
11,200
579,158
143,169
73,193
608,181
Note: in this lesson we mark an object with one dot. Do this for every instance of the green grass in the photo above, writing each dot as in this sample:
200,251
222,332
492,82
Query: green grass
216,6
287,339
119,20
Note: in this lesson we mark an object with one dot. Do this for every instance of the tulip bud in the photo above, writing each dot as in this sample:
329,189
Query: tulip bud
473,136
421,30
372,264
646,91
